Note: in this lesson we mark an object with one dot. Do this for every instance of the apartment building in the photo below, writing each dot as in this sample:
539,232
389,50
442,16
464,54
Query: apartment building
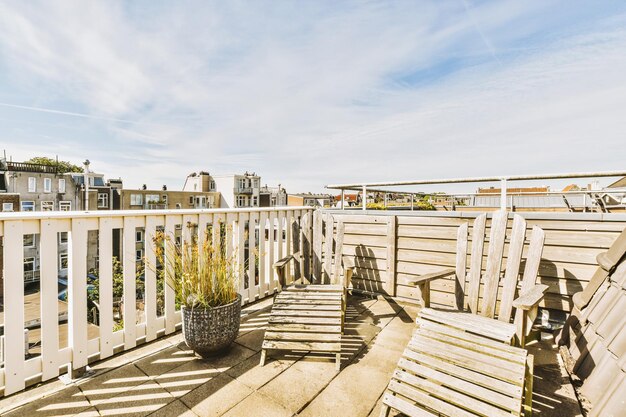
308,199
239,190
164,199
272,196
35,187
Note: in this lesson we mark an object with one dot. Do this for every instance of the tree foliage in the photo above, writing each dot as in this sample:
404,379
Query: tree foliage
62,166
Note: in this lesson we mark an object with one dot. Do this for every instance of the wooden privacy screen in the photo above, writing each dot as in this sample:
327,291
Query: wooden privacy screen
390,248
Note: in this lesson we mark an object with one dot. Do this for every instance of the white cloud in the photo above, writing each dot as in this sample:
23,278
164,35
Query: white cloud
308,94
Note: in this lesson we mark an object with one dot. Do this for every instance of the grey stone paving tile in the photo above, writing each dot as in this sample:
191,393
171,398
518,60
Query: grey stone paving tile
68,402
254,376
174,409
163,361
258,405
216,396
182,380
141,400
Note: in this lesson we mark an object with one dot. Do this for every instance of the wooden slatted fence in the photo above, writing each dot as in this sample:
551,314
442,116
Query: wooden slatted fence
258,238
391,248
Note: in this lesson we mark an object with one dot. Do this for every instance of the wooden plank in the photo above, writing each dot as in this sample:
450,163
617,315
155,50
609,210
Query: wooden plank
494,263
469,322
273,277
150,282
328,253
461,266
305,313
510,404
303,320
309,346
308,328
289,218
447,398
169,297
240,237
49,301
77,288
307,307
511,275
303,337
129,267
253,292
496,368
404,406
13,245
338,252
264,267
317,246
390,281
529,279
476,262
473,375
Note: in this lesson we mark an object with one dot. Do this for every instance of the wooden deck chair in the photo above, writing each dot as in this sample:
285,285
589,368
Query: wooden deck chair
458,374
310,317
486,285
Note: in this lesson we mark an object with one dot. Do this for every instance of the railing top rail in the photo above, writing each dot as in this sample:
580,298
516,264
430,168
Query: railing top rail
30,215
358,186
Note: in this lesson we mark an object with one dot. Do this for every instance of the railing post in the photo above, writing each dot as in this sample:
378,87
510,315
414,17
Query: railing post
390,282
364,200
503,194
342,198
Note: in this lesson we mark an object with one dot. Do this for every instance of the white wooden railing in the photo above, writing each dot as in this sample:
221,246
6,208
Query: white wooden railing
290,226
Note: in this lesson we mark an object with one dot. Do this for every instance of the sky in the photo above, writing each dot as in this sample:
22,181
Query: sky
309,93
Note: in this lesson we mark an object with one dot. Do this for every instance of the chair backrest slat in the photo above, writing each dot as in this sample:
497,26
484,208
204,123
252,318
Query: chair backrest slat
494,263
461,264
511,274
476,261
531,270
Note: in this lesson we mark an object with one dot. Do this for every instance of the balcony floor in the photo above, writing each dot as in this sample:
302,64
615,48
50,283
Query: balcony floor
164,378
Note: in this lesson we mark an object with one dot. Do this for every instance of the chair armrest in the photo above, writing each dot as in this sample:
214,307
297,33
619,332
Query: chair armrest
432,276
348,263
529,299
282,262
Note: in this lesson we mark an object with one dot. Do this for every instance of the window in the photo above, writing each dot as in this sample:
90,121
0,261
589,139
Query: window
63,261
7,206
212,185
136,199
28,206
241,201
29,264
139,254
65,205
164,199
47,205
103,200
152,198
139,236
32,184
47,185
61,185
29,241
178,206
63,237
191,198
254,201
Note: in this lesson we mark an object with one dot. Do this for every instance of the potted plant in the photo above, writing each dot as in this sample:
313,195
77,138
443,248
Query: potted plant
205,282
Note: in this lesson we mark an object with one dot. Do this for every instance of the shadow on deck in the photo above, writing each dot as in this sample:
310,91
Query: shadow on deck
164,378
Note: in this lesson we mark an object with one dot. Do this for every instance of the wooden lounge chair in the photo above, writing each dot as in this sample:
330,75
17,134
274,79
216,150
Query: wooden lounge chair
476,309
310,317
460,374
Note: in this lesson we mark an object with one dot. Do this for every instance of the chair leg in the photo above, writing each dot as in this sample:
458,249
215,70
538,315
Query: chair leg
263,357
528,386
338,362
384,411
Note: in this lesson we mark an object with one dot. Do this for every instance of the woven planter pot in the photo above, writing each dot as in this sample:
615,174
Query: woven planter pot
210,331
